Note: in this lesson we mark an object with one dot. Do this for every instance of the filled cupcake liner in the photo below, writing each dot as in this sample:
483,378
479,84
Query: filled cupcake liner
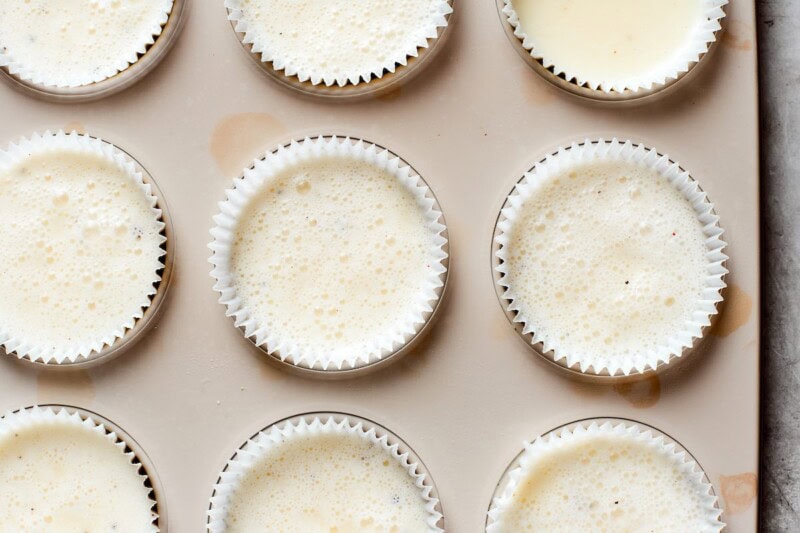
255,448
682,340
70,352
14,421
537,450
103,72
423,39
246,188
704,35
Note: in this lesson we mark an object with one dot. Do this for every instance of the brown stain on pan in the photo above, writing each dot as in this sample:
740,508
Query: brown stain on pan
75,386
641,394
738,36
735,312
589,391
739,491
239,139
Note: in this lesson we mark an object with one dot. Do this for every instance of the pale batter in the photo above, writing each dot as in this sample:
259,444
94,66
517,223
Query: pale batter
323,482
336,41
60,476
70,43
80,247
607,261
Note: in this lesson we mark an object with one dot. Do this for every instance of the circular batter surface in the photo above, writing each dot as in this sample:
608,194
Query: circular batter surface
58,473
338,41
77,42
325,477
616,43
334,259
81,246
606,480
608,263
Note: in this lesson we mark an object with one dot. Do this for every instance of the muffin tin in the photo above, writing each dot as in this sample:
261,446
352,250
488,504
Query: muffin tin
469,393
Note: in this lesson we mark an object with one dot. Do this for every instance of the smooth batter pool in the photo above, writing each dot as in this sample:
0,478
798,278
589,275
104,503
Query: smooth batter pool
610,40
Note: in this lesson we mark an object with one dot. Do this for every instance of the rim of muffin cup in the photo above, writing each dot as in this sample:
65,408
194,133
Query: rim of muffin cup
559,362
612,97
389,81
142,325
146,468
505,479
348,370
145,63
403,452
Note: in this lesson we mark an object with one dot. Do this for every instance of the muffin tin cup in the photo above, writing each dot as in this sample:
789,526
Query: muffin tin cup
234,469
150,313
348,369
602,425
116,83
390,81
716,278
627,97
140,458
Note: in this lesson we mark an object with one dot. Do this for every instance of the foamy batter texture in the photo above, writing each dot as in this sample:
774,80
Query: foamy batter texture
616,44
70,43
80,246
61,474
608,259
335,254
338,41
322,477
605,478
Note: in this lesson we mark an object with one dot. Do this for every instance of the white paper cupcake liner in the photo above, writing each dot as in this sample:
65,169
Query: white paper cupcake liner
103,72
422,39
681,341
71,352
697,46
537,450
251,452
14,421
290,350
